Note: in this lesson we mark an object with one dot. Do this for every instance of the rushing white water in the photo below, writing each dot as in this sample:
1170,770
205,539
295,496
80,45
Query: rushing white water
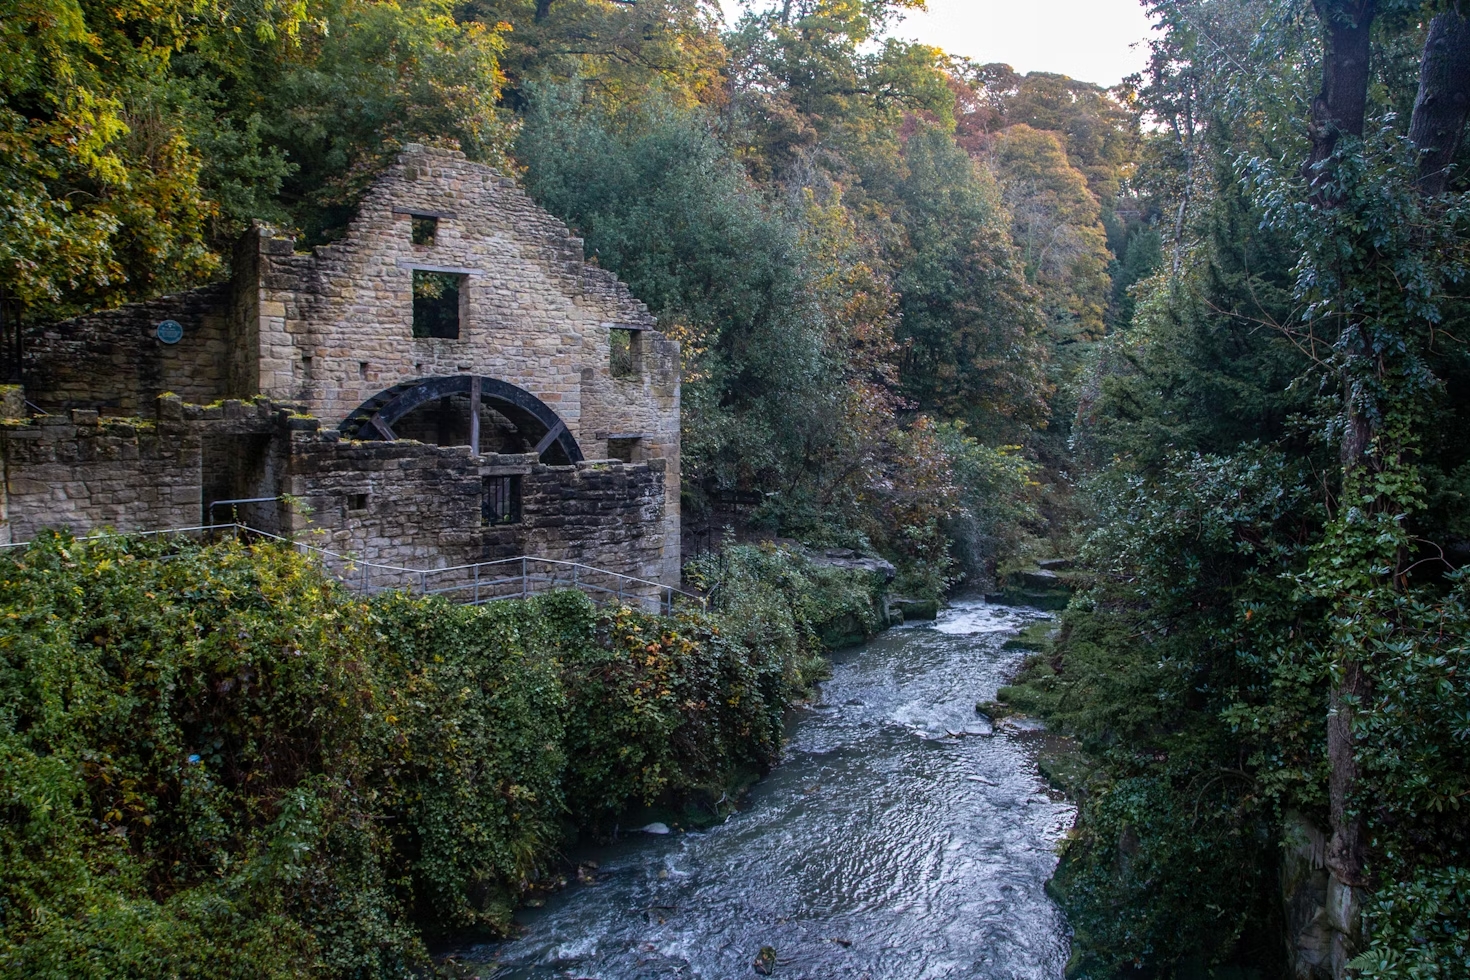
900,840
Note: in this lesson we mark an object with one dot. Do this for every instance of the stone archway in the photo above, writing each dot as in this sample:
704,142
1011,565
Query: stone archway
374,418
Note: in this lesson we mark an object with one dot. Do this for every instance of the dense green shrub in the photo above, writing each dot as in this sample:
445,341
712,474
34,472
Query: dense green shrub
1420,928
778,599
215,762
1185,672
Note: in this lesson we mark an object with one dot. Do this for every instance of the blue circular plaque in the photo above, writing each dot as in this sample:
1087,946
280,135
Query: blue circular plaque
169,331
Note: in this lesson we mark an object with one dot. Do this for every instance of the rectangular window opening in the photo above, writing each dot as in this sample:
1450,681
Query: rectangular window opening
424,229
623,361
436,298
623,449
357,501
500,500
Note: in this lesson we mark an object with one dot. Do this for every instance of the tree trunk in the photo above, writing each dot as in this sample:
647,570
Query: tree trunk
1436,127
1443,100
1347,29
1339,110
1347,850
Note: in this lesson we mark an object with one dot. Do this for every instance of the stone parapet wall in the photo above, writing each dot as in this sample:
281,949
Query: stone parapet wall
605,514
86,473
394,503
419,506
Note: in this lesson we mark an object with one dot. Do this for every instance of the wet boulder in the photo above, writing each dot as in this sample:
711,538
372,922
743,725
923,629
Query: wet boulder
909,610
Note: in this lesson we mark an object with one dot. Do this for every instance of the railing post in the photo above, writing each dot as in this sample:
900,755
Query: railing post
477,584
523,576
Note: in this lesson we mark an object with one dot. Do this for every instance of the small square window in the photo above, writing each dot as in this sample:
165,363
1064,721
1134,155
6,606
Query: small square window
424,229
436,304
500,500
623,359
357,501
623,449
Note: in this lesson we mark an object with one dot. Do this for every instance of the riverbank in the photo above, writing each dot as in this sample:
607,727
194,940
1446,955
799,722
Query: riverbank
216,763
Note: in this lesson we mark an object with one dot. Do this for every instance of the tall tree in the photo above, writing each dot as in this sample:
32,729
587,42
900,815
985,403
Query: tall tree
972,334
1056,223
137,140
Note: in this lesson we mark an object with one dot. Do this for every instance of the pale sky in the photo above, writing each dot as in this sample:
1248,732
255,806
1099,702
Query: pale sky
1090,40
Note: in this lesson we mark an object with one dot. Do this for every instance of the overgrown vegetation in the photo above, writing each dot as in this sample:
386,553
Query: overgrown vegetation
215,762
1275,632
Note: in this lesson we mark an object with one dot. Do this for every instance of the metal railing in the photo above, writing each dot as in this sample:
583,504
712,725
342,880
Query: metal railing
472,584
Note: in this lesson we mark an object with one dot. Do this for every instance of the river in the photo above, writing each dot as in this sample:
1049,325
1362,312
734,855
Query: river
899,840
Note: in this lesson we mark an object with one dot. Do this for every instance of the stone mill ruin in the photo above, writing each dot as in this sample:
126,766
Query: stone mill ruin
449,383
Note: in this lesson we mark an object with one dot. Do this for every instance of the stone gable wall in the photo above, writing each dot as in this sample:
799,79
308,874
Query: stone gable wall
336,326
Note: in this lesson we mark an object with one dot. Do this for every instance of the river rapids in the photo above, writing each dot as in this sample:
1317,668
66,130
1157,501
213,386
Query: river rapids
901,839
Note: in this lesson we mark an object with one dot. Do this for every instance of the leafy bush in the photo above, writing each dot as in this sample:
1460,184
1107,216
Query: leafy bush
215,762
779,600
1420,928
1186,673
998,494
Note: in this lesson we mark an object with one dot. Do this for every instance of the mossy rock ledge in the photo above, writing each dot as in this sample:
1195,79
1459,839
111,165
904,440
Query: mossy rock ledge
1042,588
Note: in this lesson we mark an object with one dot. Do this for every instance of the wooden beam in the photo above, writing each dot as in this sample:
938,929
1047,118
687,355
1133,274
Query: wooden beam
383,430
475,416
551,436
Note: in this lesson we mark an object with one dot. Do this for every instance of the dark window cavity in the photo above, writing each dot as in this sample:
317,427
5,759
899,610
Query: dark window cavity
424,229
623,362
436,304
357,501
500,500
623,449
